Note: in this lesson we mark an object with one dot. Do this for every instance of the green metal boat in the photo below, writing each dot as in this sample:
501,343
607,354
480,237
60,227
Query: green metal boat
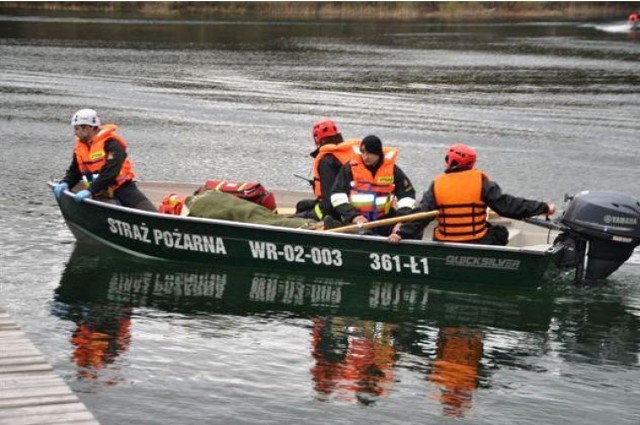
529,258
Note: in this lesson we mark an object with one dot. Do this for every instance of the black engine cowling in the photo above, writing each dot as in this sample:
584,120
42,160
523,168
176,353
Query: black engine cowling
609,223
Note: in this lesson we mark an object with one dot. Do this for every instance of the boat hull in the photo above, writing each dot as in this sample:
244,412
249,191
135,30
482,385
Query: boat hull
188,239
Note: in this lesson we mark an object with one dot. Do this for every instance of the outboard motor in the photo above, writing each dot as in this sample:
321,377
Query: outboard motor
609,223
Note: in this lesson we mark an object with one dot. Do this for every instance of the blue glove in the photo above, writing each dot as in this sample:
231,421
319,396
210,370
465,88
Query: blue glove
82,195
59,188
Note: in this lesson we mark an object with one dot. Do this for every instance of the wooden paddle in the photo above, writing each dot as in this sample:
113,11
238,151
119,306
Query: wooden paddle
286,210
384,222
388,221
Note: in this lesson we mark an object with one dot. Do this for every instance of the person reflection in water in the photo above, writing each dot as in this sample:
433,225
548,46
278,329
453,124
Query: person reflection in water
99,339
354,359
455,369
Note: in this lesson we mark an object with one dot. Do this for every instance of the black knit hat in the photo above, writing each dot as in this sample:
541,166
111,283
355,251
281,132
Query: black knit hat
372,144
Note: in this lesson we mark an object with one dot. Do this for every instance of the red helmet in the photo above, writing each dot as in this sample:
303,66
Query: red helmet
324,129
460,155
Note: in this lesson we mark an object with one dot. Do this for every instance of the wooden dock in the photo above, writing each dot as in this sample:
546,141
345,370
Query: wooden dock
30,391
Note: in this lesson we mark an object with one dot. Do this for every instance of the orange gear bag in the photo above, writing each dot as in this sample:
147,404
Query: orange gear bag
171,204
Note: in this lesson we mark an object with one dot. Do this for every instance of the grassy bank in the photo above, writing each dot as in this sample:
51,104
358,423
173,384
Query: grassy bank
348,11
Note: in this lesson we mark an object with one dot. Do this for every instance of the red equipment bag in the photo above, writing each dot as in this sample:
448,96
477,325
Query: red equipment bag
253,192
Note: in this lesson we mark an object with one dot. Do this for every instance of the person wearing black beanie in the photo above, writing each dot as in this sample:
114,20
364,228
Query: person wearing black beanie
372,144
371,187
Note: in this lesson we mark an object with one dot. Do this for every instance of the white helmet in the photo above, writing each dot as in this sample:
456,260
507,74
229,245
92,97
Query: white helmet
86,117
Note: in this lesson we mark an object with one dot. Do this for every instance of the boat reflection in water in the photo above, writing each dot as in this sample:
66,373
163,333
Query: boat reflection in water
363,333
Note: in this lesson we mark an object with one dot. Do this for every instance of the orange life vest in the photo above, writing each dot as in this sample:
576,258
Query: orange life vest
91,158
373,196
462,215
172,204
344,152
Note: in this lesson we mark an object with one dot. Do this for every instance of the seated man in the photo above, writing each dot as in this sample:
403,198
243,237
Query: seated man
331,153
461,195
371,187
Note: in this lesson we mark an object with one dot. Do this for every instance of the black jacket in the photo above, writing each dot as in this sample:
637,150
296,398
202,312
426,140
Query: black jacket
502,203
116,155
328,170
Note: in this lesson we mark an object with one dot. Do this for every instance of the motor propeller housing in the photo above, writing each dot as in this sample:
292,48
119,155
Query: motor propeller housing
609,223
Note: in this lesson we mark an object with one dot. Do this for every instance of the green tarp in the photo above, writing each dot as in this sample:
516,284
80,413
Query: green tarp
223,206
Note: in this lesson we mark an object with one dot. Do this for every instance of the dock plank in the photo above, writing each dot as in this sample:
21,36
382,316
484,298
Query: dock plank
71,418
17,359
30,391
30,400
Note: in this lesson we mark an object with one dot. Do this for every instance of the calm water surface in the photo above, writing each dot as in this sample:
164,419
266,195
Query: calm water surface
552,108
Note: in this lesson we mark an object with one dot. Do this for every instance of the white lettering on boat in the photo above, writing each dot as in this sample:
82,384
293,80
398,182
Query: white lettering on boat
482,262
189,242
398,263
128,230
296,253
175,239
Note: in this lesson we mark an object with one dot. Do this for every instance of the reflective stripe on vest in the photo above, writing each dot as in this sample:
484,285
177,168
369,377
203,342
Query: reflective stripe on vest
318,211
92,158
344,152
373,196
462,214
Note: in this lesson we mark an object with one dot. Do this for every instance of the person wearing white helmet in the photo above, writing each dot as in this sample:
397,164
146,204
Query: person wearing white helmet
100,162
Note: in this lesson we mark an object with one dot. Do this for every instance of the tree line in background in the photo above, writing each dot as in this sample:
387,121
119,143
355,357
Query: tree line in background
395,11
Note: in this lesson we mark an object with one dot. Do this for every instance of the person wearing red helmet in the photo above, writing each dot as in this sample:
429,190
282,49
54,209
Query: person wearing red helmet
461,195
331,153
634,21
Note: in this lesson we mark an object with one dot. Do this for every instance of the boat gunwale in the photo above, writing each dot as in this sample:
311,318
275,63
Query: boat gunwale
551,250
